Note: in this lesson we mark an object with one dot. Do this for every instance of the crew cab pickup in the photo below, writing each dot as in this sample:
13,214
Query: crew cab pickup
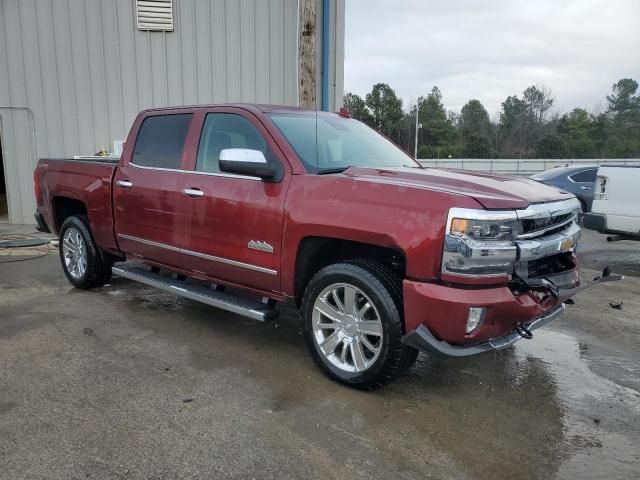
244,206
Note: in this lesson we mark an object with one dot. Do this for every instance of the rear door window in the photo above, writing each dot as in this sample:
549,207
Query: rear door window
586,176
226,130
161,141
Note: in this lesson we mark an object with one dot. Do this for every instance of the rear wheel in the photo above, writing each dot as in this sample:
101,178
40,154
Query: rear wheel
353,324
81,261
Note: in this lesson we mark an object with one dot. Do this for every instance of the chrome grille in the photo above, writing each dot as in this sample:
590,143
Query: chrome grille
547,218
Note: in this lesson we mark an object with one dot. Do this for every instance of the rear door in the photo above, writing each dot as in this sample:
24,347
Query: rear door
585,182
235,223
149,189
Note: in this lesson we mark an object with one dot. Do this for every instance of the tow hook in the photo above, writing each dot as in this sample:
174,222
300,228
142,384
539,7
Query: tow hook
524,332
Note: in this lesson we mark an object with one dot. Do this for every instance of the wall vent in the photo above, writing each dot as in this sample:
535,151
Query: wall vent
156,15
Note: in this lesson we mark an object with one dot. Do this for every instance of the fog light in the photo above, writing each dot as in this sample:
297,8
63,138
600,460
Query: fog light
475,318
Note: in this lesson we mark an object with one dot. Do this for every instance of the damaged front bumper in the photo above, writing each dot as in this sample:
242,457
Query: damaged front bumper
423,339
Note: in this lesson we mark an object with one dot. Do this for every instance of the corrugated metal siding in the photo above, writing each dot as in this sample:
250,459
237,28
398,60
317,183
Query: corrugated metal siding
76,72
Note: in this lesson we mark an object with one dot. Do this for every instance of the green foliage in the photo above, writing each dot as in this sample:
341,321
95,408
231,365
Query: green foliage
474,118
358,108
623,120
526,128
476,145
551,146
385,107
474,129
578,132
437,129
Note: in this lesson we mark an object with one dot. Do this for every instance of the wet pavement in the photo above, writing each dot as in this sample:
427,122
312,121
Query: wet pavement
128,382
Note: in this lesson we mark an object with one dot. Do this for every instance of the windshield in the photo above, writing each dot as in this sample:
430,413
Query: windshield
340,143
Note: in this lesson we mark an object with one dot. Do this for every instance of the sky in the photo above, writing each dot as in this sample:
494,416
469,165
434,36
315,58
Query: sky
490,49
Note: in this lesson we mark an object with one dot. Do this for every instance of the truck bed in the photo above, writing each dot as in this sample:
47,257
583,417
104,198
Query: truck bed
85,180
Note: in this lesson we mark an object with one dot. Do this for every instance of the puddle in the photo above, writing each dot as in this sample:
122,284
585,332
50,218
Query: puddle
600,416
538,410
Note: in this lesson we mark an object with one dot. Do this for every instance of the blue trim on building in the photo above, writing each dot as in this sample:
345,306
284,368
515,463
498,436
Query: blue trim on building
325,55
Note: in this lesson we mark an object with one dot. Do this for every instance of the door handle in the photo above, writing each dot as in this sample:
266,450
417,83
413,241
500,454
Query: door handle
193,192
584,187
124,183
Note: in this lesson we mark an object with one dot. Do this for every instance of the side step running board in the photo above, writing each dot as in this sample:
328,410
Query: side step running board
232,302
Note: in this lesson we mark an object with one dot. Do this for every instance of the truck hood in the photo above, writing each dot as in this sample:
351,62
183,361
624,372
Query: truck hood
493,192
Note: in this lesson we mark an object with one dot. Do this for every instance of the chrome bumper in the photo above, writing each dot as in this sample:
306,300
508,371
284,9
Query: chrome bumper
422,339
564,241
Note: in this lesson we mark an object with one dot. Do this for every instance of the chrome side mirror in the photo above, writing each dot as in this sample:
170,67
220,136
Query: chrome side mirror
246,161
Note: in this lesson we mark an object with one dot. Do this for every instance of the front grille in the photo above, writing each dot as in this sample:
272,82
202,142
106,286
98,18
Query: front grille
542,224
544,267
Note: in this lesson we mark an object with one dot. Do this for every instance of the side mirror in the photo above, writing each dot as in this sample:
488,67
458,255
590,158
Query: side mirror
245,161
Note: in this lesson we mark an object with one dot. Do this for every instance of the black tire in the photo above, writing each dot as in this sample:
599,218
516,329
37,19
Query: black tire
384,289
98,269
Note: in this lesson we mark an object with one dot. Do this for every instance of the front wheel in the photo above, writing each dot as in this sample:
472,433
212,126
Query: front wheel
353,324
81,261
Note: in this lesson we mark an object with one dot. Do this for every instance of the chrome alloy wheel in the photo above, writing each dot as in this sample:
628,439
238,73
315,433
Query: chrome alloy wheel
75,253
347,327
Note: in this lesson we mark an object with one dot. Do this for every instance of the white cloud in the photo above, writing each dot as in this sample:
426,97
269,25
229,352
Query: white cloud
489,49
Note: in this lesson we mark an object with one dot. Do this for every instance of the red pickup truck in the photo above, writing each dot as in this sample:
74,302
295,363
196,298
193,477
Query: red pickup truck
244,206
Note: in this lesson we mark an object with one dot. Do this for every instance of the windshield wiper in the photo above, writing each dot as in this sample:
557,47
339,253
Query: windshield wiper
327,171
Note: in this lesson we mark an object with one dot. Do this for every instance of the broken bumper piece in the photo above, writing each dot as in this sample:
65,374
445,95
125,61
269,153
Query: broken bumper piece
422,339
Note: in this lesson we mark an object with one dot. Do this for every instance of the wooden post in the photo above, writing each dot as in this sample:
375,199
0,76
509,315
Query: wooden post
307,54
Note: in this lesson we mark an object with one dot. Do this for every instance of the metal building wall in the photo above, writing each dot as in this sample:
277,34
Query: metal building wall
74,73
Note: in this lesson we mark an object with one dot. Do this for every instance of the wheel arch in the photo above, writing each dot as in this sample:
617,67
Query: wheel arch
65,207
316,252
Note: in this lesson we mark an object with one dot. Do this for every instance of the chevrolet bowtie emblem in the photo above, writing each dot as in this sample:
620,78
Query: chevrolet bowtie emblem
566,244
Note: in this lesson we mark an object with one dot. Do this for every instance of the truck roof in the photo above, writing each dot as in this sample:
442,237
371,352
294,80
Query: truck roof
261,107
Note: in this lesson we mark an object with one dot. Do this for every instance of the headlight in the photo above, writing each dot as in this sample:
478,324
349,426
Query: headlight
484,229
480,243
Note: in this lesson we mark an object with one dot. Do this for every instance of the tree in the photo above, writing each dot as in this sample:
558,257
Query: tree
476,145
623,120
622,100
578,132
523,121
474,129
551,146
474,118
538,100
512,126
385,108
357,108
437,130
525,127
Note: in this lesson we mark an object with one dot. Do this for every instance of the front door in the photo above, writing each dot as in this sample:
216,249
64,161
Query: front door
148,191
235,230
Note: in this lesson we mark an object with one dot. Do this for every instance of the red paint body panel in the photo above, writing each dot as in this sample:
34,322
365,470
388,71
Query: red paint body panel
232,212
444,309
339,206
403,208
87,182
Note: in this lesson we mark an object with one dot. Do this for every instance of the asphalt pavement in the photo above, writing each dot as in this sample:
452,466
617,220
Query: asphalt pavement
128,382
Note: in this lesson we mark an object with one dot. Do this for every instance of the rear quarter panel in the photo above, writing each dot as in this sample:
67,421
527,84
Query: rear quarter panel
86,181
